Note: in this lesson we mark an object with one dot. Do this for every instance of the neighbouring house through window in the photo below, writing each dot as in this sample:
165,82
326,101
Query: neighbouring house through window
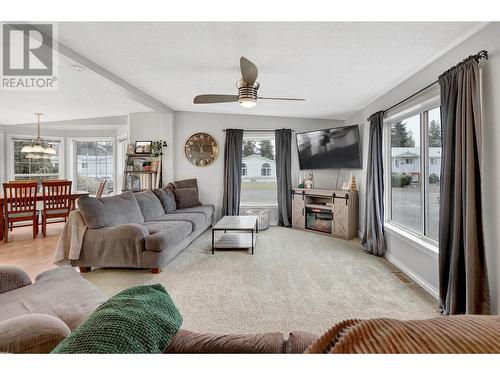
93,162
258,170
34,169
414,183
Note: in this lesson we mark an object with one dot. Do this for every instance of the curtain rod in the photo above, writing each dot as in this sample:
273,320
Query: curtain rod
478,56
258,130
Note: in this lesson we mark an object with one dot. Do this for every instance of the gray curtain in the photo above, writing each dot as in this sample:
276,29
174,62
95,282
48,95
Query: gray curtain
233,151
373,234
283,139
463,280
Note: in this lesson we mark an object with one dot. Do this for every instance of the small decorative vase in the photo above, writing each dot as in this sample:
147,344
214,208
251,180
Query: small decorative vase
353,184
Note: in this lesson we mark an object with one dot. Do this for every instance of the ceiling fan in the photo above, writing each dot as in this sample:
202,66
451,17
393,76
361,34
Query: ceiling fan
247,89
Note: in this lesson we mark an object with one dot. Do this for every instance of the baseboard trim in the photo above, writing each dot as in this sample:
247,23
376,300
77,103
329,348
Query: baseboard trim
412,275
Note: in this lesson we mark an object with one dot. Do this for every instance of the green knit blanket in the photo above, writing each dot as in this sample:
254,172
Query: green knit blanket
142,319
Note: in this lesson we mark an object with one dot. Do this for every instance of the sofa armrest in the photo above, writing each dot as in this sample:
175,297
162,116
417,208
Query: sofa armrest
12,278
196,343
32,333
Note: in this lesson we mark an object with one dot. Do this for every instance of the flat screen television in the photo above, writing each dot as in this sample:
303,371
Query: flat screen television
330,148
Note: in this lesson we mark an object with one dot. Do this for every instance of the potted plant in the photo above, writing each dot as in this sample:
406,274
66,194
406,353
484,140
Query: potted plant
157,152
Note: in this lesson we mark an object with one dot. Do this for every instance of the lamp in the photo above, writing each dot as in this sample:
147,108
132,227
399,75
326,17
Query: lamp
247,102
39,148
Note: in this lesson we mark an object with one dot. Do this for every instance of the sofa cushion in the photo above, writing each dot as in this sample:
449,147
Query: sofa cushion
189,183
110,211
32,333
197,220
207,210
466,334
186,197
12,277
157,226
60,292
141,319
150,205
167,199
164,235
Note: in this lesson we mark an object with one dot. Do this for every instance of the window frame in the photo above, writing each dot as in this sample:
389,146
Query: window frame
10,154
259,136
72,156
423,107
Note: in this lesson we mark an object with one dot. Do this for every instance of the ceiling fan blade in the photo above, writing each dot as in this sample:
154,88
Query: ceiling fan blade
214,98
249,71
294,99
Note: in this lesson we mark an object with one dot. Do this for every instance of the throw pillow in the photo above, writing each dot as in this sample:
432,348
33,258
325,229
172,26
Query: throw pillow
186,197
110,211
141,319
190,183
150,205
167,199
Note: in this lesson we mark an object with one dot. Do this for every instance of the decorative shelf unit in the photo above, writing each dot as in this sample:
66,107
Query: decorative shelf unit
142,172
324,211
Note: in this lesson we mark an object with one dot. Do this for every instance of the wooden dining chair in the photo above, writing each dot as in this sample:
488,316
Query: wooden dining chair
56,201
20,205
101,187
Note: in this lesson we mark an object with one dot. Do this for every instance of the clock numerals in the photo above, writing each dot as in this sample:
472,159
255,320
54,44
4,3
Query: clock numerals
201,149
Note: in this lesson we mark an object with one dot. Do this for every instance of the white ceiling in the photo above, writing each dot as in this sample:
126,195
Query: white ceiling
338,67
80,95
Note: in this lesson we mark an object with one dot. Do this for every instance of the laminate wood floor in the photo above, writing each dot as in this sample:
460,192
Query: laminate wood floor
33,256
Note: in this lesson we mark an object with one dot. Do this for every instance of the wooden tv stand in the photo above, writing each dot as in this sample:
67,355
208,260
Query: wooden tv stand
312,208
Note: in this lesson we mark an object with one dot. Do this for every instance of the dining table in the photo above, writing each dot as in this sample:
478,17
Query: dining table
39,198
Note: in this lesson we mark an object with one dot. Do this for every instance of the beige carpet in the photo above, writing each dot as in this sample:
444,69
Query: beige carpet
295,281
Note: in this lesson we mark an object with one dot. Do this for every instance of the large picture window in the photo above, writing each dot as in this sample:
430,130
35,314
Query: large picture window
93,162
34,169
415,172
258,181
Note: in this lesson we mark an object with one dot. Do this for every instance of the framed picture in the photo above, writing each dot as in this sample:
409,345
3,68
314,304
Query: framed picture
143,147
130,149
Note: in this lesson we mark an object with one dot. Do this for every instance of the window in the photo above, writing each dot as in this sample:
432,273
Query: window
265,170
432,188
92,162
414,184
34,169
258,181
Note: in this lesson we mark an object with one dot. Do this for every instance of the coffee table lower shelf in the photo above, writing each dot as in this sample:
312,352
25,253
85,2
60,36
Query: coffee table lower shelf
236,241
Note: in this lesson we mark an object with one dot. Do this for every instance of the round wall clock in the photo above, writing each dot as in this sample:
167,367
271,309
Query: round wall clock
201,149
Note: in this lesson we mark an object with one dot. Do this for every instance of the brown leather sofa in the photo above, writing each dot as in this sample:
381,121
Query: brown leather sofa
187,342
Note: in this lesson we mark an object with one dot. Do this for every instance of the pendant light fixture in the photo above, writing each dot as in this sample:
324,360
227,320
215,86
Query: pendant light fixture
39,148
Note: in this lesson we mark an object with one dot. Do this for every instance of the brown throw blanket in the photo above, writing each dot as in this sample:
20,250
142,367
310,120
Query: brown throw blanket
451,334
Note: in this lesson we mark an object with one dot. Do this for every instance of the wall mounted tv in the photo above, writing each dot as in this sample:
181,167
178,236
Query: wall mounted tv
330,148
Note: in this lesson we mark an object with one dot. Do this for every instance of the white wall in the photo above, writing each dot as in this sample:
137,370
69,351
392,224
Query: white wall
418,262
153,126
210,178
65,133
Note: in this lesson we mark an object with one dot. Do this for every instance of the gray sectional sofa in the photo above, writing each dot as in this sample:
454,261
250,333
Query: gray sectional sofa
141,230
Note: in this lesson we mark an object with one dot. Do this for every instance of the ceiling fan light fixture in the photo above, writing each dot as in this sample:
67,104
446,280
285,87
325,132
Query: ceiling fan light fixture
247,102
